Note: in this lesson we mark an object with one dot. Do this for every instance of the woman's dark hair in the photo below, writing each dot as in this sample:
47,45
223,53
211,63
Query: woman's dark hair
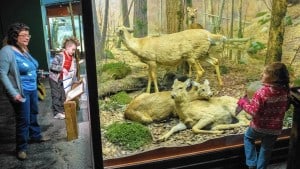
13,33
278,74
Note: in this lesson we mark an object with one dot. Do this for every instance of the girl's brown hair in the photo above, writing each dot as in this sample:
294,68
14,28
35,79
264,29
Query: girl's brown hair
278,74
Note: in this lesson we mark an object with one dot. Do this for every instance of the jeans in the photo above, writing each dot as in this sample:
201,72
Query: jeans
58,96
27,126
262,159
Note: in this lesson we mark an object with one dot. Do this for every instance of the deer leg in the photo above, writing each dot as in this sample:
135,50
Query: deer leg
227,126
215,63
180,126
242,121
149,81
204,122
199,70
152,77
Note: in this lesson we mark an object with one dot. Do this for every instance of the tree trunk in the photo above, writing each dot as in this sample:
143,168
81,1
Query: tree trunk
104,29
276,32
240,32
218,25
97,27
187,3
174,12
204,14
140,19
231,25
212,12
125,13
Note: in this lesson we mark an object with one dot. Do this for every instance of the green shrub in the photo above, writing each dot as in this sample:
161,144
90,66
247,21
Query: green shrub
121,98
131,136
255,47
109,54
288,20
115,102
116,70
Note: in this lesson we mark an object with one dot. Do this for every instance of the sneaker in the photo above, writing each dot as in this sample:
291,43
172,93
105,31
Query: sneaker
60,116
22,155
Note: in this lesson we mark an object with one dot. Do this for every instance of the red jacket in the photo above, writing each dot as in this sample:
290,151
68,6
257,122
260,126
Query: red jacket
267,109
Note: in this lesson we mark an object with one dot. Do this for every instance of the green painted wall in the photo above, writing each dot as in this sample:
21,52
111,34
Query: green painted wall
30,13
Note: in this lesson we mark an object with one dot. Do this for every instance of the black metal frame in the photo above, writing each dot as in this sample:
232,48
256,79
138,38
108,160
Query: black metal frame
88,25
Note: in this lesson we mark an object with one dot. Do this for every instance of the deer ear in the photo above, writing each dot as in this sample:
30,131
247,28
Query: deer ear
195,84
188,83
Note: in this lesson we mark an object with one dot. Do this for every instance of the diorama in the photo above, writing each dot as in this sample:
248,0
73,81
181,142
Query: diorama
170,73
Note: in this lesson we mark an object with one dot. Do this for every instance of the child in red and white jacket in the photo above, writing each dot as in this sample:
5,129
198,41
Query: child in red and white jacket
62,75
267,108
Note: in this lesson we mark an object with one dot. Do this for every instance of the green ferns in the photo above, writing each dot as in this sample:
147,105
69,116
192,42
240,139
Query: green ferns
130,136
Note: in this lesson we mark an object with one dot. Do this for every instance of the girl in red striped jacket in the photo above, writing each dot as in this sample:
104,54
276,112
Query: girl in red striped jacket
267,108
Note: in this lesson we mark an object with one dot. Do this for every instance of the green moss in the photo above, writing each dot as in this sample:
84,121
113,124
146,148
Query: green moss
115,102
116,70
121,98
131,136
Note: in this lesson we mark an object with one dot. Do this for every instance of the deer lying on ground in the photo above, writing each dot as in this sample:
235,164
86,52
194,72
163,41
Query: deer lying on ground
204,116
171,49
147,108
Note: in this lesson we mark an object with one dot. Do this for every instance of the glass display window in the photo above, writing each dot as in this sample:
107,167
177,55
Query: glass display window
141,47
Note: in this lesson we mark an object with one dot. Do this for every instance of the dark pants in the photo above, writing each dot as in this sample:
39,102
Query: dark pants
58,96
27,126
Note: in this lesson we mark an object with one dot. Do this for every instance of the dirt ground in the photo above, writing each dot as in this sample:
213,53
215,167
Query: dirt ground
58,153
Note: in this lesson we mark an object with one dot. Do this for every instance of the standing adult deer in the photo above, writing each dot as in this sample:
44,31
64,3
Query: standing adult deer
171,49
192,15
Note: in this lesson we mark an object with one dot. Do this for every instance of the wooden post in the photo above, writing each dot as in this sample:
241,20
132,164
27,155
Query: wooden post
71,120
293,161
